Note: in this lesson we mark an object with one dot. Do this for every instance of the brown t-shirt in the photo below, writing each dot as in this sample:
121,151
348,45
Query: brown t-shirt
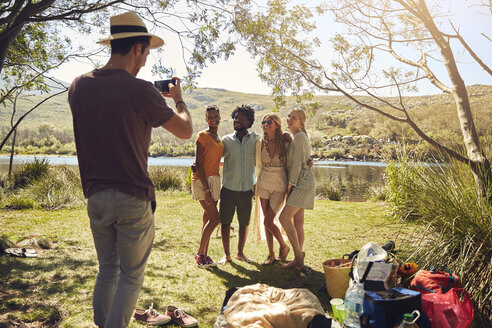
113,115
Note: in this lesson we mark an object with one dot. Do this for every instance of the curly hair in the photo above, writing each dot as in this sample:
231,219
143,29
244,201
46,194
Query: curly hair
246,110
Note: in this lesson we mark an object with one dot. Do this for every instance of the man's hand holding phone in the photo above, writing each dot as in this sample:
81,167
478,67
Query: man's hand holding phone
170,88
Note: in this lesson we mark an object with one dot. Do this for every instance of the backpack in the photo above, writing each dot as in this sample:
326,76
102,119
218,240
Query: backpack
435,281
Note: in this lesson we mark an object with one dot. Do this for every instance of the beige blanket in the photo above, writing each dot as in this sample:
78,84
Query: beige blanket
263,306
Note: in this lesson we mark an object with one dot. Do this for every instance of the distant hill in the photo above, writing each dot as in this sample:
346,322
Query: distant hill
334,116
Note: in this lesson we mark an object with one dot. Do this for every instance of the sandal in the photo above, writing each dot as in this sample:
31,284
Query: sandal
270,259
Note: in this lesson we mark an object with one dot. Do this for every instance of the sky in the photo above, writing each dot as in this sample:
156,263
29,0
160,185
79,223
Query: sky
239,72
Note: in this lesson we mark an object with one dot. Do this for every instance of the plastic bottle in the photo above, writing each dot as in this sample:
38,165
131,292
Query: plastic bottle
408,321
353,305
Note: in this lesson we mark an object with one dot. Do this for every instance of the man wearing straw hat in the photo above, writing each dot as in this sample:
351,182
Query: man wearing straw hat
113,116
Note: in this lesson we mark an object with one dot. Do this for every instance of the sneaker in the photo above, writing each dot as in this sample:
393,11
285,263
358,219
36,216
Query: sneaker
151,317
210,262
180,317
201,261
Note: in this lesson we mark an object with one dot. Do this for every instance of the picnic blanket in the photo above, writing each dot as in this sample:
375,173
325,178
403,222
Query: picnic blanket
261,306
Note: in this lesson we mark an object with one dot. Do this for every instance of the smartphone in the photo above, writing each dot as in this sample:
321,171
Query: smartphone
163,85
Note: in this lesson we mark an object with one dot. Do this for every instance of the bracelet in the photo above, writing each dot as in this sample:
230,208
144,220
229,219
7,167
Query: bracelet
180,102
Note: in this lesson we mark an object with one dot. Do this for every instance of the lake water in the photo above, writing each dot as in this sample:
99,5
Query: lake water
354,177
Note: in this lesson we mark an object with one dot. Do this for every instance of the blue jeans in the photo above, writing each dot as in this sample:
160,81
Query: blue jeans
123,230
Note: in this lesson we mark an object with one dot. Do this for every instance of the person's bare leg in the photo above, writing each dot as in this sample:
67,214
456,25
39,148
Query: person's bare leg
214,220
243,234
275,231
265,207
299,225
225,231
205,219
286,220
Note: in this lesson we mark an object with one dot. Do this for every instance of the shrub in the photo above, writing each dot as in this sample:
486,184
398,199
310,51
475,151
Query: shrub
188,178
376,193
165,178
401,189
30,172
59,188
446,198
328,189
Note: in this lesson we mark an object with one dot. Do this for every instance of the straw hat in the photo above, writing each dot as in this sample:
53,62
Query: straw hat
129,25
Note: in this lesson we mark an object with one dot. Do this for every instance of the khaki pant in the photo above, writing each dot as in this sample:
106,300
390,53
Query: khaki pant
123,230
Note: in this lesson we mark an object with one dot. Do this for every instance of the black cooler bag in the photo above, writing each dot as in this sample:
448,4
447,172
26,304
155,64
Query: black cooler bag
385,309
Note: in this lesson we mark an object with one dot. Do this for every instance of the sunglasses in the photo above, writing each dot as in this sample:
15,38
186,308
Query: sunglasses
269,122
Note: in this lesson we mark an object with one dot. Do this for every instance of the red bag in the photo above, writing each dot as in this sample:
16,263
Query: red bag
448,310
435,281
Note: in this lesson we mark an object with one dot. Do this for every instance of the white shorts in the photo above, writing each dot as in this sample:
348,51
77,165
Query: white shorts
198,192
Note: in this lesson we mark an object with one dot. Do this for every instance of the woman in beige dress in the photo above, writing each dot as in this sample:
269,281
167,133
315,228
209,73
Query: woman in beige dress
271,186
301,186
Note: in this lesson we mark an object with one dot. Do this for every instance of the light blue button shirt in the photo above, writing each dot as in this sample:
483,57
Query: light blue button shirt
238,173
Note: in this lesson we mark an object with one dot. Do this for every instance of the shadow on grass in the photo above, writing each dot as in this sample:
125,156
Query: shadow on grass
29,288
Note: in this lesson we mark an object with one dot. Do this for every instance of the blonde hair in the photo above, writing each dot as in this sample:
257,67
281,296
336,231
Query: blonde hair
302,117
281,146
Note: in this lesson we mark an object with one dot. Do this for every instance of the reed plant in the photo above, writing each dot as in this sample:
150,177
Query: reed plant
167,178
376,193
445,198
328,189
59,187
30,172
401,189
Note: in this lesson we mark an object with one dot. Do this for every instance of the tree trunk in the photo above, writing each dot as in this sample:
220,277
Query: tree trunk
478,162
12,153
6,40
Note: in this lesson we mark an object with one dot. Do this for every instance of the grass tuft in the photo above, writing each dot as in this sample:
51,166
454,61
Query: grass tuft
167,178
376,193
30,172
329,190
5,243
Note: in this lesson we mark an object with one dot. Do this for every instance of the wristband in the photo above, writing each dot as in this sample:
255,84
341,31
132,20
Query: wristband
180,102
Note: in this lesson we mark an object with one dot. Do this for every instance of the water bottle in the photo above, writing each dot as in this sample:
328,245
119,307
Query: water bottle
353,305
408,320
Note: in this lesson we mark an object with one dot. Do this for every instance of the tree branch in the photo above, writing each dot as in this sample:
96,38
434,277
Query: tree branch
472,53
27,113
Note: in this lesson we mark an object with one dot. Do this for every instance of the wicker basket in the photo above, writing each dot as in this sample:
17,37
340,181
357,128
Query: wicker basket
337,276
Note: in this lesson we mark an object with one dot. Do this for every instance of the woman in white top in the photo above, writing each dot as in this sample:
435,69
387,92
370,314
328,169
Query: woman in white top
300,189
271,186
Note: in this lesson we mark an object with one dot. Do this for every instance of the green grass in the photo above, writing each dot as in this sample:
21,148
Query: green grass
55,289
